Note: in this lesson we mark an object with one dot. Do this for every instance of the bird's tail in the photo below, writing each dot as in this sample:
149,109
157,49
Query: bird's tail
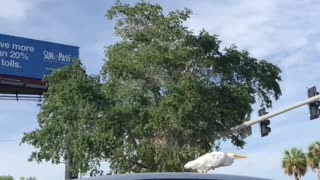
189,165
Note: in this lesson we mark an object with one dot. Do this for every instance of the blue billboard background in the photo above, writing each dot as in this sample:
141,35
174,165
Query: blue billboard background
28,58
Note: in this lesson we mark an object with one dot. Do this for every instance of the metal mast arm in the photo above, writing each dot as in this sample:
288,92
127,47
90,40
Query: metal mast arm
267,116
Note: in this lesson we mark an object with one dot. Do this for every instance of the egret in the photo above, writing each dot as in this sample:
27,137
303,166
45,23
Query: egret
212,160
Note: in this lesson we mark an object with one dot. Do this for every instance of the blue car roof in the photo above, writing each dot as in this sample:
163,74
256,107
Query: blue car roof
173,176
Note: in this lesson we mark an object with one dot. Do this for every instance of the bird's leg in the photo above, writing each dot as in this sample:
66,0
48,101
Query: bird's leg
208,170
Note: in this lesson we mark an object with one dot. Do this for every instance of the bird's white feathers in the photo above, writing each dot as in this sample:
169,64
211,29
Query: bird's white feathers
209,161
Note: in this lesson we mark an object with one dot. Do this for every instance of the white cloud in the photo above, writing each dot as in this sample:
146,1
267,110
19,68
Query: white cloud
317,46
16,10
265,27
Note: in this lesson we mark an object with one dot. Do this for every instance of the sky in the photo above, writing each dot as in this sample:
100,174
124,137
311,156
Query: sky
286,33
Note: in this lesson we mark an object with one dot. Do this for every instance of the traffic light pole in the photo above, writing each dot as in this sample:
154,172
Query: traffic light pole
269,115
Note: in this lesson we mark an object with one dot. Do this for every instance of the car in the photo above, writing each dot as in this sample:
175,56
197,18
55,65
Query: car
173,176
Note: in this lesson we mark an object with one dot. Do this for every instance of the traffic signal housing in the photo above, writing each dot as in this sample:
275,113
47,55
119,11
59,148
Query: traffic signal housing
245,132
314,106
264,125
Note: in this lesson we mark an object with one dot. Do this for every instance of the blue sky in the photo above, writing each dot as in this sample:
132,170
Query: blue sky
286,33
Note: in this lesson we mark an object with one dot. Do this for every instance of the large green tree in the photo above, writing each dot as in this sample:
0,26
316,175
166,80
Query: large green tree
313,157
166,96
174,91
294,163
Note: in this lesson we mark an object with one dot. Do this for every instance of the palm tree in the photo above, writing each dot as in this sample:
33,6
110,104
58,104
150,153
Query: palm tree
313,157
294,163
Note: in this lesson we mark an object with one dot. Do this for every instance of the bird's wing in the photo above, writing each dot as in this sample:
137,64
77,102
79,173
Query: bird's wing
207,161
213,160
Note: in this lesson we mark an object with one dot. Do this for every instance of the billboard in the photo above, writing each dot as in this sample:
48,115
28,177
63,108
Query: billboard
28,60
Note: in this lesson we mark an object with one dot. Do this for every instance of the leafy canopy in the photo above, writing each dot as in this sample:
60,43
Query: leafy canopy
167,93
173,90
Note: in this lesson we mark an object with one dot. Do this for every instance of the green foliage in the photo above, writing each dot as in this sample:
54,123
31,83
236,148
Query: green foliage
313,157
21,178
68,120
29,178
294,163
167,95
174,91
6,178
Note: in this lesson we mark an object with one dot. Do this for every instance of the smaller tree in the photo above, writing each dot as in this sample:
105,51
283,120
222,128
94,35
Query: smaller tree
29,178
21,178
294,163
313,157
6,178
69,121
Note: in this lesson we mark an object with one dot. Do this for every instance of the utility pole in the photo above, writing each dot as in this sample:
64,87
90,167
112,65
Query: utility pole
68,164
68,160
67,174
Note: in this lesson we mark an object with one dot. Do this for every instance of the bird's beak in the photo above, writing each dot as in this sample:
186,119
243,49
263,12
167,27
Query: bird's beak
239,157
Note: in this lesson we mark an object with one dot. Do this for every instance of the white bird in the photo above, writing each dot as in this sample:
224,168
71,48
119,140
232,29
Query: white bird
212,160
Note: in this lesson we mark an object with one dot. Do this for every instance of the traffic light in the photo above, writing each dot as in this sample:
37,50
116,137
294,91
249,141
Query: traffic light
314,106
264,125
245,132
